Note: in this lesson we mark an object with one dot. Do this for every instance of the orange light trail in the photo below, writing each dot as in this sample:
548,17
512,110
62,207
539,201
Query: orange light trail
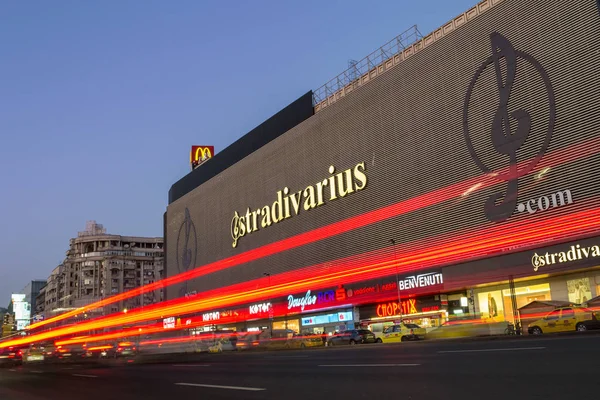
553,159
351,270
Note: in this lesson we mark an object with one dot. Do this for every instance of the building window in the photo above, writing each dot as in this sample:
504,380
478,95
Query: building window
496,306
579,290
293,324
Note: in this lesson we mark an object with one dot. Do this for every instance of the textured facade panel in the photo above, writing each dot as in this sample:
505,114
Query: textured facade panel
424,184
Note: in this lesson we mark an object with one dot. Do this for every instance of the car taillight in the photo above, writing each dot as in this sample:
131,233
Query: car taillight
20,353
119,349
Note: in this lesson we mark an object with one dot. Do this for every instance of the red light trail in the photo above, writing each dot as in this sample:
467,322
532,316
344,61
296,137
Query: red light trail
353,269
457,190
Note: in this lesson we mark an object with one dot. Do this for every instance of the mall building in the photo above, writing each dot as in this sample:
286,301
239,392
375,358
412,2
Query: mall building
453,178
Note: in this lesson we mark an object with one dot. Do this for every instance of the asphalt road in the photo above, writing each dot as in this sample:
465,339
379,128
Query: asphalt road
540,368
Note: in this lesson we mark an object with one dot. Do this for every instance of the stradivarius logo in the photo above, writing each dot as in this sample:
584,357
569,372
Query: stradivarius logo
511,125
575,253
187,247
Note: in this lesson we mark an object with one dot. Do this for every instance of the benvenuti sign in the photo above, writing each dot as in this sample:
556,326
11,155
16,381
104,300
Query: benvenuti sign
289,204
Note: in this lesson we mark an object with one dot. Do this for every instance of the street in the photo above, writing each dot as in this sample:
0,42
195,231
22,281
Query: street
547,367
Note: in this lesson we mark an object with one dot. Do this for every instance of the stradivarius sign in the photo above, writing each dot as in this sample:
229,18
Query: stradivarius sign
289,204
574,253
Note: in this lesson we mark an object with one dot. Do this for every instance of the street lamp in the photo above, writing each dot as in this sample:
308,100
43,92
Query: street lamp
393,242
267,274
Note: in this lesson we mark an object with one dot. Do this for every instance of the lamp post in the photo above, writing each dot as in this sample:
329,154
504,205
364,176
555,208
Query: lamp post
267,274
393,242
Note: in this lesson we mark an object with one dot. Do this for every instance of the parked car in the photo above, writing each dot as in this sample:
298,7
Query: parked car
565,319
352,337
401,333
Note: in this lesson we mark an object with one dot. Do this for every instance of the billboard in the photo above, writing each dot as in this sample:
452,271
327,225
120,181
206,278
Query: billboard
200,154
463,151
22,310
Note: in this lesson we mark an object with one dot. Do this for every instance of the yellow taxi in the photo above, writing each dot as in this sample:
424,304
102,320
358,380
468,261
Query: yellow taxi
565,319
401,333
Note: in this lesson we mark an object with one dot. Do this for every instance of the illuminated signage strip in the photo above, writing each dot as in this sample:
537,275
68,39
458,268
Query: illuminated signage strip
200,154
289,204
421,281
575,253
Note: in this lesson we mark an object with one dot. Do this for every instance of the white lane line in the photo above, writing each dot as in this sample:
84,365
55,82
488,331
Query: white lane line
190,365
12,370
36,372
488,350
286,357
86,376
250,389
369,365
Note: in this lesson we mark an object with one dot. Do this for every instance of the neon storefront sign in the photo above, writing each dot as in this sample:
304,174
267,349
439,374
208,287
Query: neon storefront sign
307,300
394,308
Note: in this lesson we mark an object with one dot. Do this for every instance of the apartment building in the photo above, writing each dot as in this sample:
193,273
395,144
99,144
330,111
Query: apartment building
98,265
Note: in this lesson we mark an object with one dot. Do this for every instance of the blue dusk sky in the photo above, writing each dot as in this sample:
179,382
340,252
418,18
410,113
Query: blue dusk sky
101,100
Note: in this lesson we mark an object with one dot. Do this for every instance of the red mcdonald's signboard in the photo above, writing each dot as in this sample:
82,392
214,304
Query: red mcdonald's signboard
201,154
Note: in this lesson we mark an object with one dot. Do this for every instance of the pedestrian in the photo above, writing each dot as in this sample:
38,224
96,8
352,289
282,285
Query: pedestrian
324,337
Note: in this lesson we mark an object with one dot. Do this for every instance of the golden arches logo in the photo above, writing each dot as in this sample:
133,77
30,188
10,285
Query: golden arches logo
200,154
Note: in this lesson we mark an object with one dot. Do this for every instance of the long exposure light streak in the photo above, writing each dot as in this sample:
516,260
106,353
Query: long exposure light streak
561,156
351,270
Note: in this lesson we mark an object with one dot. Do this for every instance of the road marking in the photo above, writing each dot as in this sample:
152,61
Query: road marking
190,365
86,376
488,350
12,370
250,389
369,365
67,368
286,357
36,372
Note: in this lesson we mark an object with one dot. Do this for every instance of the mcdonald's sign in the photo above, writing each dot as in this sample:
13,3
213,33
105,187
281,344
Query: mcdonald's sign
200,154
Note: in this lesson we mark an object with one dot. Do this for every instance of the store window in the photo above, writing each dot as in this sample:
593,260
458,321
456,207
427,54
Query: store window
491,305
496,306
579,290
293,324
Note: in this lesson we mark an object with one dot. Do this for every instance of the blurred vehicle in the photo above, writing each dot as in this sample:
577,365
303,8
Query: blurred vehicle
11,356
565,319
277,339
34,354
125,349
99,351
247,341
401,333
69,352
309,340
352,337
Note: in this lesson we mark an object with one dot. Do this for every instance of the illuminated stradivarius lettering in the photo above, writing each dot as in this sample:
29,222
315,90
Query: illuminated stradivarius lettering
289,203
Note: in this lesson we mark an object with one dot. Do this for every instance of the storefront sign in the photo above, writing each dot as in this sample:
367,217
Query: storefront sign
326,297
289,204
366,290
211,316
421,281
340,294
169,323
555,200
393,308
575,253
327,319
200,154
307,300
259,308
